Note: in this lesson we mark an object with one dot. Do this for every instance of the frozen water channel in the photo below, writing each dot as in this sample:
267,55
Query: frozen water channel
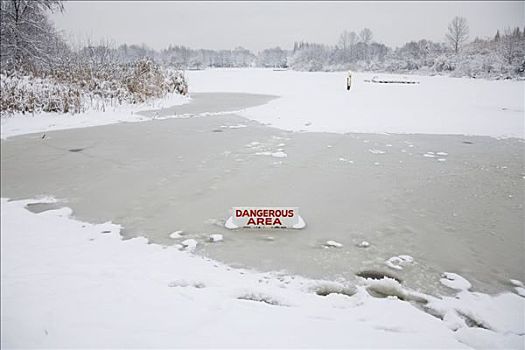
425,204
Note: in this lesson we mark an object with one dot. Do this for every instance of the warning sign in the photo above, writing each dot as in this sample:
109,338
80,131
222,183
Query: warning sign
265,217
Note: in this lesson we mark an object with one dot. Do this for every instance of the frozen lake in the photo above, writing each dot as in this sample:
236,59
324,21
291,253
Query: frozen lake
319,101
452,202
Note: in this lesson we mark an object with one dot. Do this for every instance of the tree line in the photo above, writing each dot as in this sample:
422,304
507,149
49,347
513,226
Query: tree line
29,42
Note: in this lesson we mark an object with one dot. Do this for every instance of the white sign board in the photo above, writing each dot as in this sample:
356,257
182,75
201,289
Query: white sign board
265,217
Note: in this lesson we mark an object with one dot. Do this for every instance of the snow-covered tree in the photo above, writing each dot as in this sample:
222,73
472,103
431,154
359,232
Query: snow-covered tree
310,57
274,57
458,32
27,39
511,45
242,57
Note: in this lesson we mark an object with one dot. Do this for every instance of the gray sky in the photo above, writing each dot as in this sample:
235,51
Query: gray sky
259,25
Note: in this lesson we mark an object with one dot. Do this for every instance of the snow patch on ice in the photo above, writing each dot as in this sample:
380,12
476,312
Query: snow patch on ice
278,154
398,262
333,244
455,281
189,244
516,283
363,244
520,291
237,126
341,159
176,234
215,237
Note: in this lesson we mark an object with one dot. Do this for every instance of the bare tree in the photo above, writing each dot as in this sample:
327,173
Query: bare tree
366,36
26,34
347,40
457,33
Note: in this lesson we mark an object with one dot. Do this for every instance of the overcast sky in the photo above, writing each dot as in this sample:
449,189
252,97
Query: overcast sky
259,25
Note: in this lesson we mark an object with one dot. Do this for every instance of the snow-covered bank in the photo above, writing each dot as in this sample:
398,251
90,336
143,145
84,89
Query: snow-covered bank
319,101
19,124
67,283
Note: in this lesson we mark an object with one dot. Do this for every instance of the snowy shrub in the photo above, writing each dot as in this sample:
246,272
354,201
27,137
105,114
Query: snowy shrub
76,88
145,81
175,82
32,95
443,64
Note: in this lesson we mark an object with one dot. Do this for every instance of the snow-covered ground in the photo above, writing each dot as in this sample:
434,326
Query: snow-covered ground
19,124
66,283
319,101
